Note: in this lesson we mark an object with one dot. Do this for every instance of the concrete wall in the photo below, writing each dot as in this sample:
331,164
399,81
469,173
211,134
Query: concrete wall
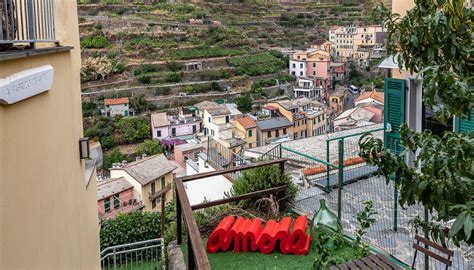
119,109
48,213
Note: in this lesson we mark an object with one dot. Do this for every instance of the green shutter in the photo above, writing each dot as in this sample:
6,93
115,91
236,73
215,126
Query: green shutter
465,125
394,110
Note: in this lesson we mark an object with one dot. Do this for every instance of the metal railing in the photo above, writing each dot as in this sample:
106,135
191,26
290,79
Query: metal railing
27,21
149,254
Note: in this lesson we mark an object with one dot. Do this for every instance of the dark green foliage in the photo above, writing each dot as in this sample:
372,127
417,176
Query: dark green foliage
90,109
216,86
175,66
264,178
149,148
366,219
163,91
144,78
139,103
145,68
101,129
114,156
292,20
257,64
95,42
173,77
129,228
134,129
244,103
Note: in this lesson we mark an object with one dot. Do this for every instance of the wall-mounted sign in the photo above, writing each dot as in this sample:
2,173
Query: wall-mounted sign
25,84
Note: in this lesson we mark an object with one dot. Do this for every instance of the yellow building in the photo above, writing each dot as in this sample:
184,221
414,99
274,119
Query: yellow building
336,100
246,128
48,201
150,177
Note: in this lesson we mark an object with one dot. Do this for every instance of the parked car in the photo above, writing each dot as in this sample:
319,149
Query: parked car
353,89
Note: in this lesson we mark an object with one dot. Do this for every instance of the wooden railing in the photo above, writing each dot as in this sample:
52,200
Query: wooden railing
197,257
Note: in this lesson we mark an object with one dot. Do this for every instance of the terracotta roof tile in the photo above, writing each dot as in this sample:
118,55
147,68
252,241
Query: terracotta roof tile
377,96
246,122
115,101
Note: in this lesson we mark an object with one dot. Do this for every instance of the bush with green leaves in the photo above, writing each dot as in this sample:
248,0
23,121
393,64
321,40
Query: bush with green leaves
133,129
114,156
244,103
149,148
173,77
97,41
204,52
90,109
129,228
265,178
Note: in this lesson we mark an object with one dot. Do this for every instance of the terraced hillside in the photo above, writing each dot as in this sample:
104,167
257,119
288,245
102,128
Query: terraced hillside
142,47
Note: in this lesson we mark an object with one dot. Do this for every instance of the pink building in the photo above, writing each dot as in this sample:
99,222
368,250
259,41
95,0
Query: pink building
181,126
115,195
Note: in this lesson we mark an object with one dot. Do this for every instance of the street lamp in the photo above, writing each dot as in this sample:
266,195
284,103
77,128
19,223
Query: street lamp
84,150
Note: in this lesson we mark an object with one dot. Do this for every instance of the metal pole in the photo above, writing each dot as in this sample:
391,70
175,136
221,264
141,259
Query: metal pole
395,205
328,160
340,178
282,167
115,260
178,219
427,259
163,221
191,262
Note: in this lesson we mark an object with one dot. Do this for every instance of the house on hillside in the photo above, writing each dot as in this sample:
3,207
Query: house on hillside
337,100
337,71
187,151
272,130
116,106
164,126
151,177
372,101
305,87
116,195
246,128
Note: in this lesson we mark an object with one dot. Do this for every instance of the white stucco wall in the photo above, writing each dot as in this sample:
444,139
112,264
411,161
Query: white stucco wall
298,67
118,109
211,188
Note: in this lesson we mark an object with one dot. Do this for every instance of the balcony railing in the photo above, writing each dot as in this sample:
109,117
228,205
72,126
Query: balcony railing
26,21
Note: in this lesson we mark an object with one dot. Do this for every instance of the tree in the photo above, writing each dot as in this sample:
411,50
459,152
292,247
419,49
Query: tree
244,103
134,129
114,156
149,148
434,40
90,109
139,103
264,178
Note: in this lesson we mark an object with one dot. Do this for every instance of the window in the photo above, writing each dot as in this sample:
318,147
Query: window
250,145
293,73
269,134
294,65
294,124
153,187
314,73
163,183
173,132
107,205
227,119
209,120
303,133
277,133
194,128
301,65
206,131
304,121
250,133
295,135
284,131
117,201
153,203
314,64
158,133
301,73
212,132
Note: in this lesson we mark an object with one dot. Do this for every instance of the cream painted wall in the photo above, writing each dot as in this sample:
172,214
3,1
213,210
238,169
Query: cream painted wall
48,216
401,6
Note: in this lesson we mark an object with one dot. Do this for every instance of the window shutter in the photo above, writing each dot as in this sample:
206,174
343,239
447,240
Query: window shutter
464,125
394,110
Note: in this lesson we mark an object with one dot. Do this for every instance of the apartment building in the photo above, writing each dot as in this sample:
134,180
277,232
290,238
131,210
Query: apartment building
273,130
317,122
356,42
337,100
151,177
48,200
116,195
306,87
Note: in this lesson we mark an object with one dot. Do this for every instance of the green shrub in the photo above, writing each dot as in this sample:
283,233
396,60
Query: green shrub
144,78
129,228
175,66
149,148
114,156
95,42
90,109
145,68
264,178
204,52
173,77
134,129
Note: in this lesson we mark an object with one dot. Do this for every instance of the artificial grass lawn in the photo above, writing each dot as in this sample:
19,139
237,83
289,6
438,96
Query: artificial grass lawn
276,260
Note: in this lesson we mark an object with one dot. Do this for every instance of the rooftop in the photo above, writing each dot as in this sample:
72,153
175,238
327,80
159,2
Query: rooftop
273,123
217,111
148,169
269,107
116,101
159,119
188,147
111,186
377,96
356,114
205,104
233,108
246,122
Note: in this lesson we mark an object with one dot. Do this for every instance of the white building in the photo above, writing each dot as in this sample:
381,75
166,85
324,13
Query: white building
298,67
305,87
116,106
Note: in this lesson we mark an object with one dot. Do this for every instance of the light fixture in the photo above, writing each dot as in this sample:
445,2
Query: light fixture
84,150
